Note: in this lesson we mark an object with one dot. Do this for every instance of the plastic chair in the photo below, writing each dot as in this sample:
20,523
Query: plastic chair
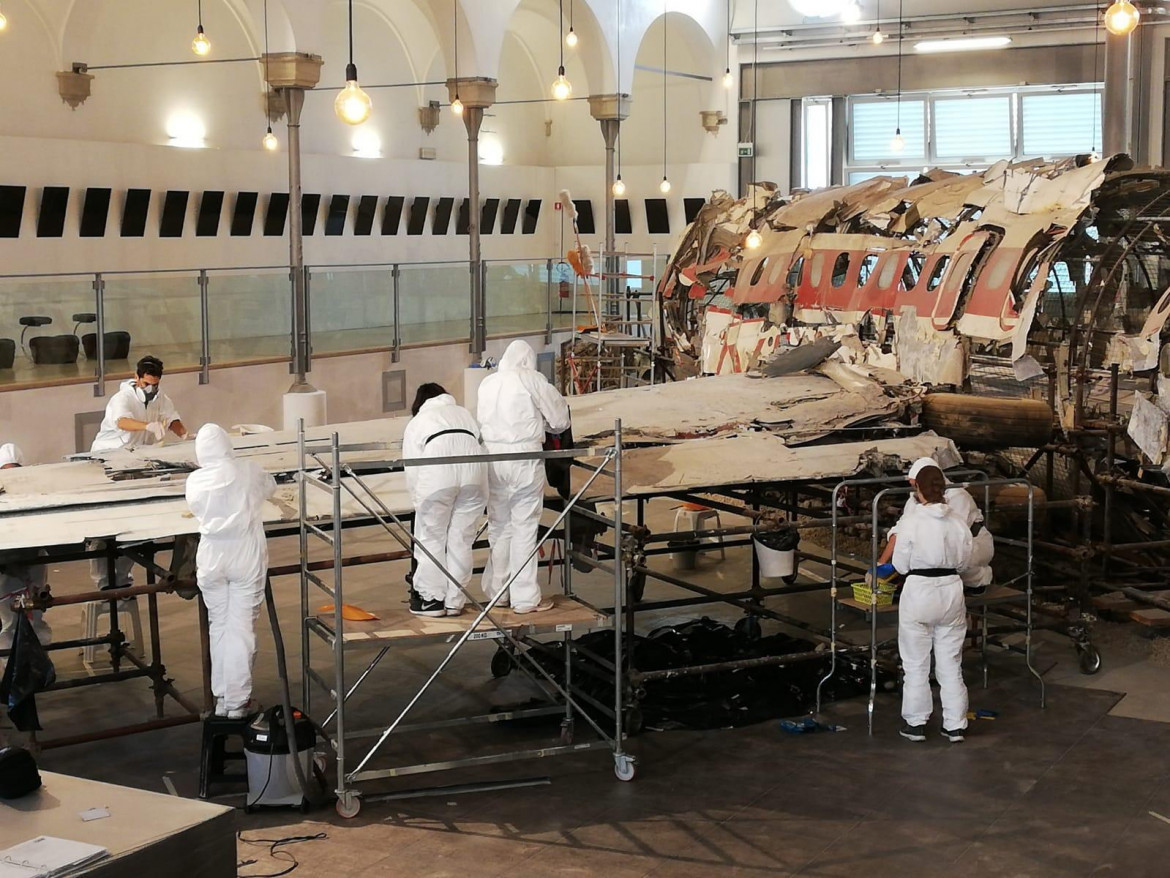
695,515
116,344
91,613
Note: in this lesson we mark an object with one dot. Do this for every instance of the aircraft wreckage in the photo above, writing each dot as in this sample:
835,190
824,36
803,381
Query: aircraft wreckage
1028,305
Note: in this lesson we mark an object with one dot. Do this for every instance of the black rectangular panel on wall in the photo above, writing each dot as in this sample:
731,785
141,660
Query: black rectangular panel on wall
134,213
210,210
511,214
51,218
310,208
691,208
657,219
244,213
95,212
585,224
417,222
338,211
363,220
442,220
622,224
463,221
487,216
392,215
275,215
174,214
531,215
11,210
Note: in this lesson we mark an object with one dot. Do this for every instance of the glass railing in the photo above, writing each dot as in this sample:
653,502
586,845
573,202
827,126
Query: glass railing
198,319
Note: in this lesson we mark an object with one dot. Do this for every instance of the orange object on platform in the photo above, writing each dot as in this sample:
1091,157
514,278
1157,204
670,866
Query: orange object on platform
350,613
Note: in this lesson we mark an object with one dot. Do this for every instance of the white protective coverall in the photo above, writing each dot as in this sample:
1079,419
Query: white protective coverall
448,499
126,403
516,407
932,613
227,498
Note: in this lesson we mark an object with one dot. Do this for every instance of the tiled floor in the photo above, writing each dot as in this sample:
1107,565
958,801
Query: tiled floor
1068,790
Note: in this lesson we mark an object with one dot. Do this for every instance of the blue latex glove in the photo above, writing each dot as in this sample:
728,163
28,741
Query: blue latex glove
885,571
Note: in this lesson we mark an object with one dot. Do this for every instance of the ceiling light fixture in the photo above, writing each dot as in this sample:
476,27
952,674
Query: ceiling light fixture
1121,18
3,22
664,186
851,14
200,45
728,79
819,8
753,240
268,141
571,36
456,105
619,187
562,89
352,105
898,143
961,44
878,37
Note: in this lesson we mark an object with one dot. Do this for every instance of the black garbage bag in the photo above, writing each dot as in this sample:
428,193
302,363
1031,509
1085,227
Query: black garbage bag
779,540
558,470
29,670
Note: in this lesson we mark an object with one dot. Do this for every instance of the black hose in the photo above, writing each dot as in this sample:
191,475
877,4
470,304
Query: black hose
286,718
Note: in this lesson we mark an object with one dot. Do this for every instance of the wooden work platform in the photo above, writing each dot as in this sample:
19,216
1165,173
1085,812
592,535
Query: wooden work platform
146,833
995,594
399,625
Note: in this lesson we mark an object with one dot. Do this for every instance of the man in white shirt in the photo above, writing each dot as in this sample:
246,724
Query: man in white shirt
138,414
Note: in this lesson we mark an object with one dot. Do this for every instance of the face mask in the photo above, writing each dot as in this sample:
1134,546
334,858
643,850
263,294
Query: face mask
146,394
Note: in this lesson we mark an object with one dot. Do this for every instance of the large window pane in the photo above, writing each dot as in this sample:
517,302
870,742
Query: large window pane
817,143
1061,124
873,126
973,127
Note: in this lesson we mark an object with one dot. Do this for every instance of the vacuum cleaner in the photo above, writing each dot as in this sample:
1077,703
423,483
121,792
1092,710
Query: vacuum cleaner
272,774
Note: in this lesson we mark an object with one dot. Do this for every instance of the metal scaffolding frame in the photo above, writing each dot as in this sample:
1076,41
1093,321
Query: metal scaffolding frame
341,478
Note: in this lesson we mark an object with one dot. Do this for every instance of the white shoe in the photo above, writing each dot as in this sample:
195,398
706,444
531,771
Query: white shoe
250,709
454,611
544,605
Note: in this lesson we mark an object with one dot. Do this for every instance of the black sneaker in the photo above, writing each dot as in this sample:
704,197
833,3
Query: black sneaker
421,606
913,733
954,737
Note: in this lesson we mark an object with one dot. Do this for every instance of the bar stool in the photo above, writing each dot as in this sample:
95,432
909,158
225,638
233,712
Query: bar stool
694,515
214,754
92,612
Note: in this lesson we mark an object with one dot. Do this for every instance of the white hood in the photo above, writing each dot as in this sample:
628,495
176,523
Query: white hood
11,454
519,355
213,445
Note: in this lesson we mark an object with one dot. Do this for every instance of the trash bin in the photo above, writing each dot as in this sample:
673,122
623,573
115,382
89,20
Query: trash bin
776,552
684,554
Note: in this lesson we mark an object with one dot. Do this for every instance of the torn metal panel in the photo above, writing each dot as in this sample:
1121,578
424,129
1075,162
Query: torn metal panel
754,458
1148,427
926,355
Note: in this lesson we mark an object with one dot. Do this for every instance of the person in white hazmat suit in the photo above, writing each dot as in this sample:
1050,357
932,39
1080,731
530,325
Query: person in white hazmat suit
516,406
138,414
978,574
227,498
448,499
20,579
933,545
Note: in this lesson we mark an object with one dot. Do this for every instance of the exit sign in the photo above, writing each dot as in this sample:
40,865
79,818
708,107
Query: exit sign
747,150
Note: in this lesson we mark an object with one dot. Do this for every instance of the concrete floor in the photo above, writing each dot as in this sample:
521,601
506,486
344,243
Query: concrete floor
1074,789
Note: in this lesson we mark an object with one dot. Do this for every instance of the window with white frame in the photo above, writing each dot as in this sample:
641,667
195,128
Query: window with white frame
968,131
818,142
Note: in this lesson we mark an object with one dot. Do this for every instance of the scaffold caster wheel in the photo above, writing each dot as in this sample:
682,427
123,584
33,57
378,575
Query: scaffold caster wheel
749,627
501,663
348,806
1089,659
567,732
624,767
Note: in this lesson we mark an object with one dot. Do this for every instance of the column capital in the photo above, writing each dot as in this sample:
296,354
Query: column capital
611,106
475,92
292,69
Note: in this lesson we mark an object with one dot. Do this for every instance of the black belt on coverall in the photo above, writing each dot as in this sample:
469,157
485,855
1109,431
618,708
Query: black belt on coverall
934,572
450,432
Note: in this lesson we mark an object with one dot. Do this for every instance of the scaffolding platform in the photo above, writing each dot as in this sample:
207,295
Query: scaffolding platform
398,625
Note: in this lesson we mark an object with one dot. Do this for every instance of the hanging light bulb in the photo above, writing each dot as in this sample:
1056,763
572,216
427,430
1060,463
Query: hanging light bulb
561,87
619,187
899,142
1121,18
457,106
728,79
3,22
269,140
571,38
664,186
851,14
878,37
753,240
352,105
200,45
